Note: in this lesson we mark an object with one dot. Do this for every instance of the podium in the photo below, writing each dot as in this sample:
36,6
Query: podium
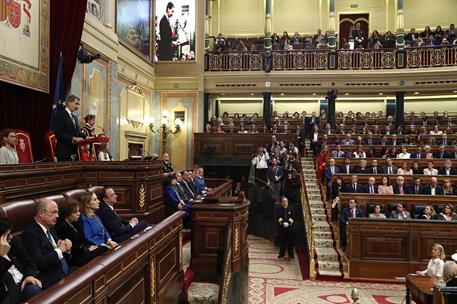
219,225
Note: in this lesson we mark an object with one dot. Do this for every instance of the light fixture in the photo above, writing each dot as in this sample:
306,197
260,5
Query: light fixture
252,94
282,94
314,94
346,94
165,128
455,91
416,93
380,93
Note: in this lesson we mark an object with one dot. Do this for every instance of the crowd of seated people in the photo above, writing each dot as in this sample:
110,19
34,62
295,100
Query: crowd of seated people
319,40
182,189
63,236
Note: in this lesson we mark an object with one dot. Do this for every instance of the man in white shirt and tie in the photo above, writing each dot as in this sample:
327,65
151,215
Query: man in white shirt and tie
372,189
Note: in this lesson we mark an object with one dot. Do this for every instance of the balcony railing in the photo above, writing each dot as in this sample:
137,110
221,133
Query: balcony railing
373,59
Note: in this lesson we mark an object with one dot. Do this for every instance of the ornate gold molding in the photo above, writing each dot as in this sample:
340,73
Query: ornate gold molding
141,196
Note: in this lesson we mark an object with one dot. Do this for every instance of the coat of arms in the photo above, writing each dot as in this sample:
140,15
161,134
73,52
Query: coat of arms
11,15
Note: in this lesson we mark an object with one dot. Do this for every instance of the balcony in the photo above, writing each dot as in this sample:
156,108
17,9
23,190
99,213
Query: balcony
301,60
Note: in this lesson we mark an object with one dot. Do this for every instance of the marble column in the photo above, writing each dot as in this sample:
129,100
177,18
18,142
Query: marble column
399,27
267,39
207,25
399,108
108,9
331,26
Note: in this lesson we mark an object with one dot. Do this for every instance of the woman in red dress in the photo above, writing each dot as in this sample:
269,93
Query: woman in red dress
321,161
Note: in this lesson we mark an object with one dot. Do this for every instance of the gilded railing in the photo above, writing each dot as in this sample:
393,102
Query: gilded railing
308,219
369,59
224,284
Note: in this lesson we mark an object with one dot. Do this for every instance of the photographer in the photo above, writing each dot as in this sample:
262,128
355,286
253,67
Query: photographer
260,161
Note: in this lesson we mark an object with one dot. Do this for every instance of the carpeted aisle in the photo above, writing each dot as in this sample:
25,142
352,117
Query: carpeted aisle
274,281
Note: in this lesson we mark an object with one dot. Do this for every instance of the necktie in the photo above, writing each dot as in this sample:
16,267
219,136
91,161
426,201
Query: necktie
369,141
62,260
332,169
401,190
375,171
417,190
73,119
355,188
353,213
371,189
389,170
347,169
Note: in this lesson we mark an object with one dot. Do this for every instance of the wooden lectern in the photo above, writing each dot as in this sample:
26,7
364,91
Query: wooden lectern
219,225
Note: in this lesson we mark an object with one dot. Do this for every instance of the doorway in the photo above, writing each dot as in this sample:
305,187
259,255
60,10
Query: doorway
347,23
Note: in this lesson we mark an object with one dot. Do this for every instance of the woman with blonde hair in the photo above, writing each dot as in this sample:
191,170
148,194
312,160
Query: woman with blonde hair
436,263
93,228
428,214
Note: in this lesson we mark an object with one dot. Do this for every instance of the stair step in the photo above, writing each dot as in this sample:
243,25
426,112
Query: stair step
330,273
329,266
323,243
322,234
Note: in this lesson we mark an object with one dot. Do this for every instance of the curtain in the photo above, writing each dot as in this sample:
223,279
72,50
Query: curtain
30,110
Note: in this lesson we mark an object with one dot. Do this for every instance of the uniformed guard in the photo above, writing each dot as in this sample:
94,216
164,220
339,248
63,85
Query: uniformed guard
285,220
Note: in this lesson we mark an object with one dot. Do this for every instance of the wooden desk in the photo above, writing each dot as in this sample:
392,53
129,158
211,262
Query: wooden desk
420,287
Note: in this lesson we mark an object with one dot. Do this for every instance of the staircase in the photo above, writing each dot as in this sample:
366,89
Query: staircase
327,259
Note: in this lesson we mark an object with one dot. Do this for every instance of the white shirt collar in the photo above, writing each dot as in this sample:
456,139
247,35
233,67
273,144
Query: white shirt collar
45,230
68,111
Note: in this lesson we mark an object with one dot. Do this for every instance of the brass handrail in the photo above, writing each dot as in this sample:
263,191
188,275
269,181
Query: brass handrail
308,219
226,269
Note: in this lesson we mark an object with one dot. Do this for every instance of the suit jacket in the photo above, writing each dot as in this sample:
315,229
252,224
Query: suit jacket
373,141
442,171
65,130
167,167
440,155
80,253
43,254
271,174
379,170
394,214
415,155
349,188
336,153
286,214
118,228
21,260
396,189
343,169
394,169
375,189
328,173
428,190
346,214
165,50
360,170
412,189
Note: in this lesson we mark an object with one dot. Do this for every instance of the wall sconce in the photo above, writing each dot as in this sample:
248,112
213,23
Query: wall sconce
165,127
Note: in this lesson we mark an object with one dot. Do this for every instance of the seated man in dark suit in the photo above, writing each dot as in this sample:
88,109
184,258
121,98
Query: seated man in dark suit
354,186
351,211
441,153
433,188
447,169
174,202
43,245
370,141
399,186
119,229
375,169
18,275
418,153
416,187
347,168
371,187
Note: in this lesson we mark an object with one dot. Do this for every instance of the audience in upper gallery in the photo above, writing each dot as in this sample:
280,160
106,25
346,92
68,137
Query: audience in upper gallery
119,229
93,229
436,263
8,153
44,246
68,227
18,275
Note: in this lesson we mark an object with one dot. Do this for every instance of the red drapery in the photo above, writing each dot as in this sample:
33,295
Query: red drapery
29,110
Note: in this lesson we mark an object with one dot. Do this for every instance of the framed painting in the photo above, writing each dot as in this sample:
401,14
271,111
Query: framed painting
175,30
133,26
24,50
